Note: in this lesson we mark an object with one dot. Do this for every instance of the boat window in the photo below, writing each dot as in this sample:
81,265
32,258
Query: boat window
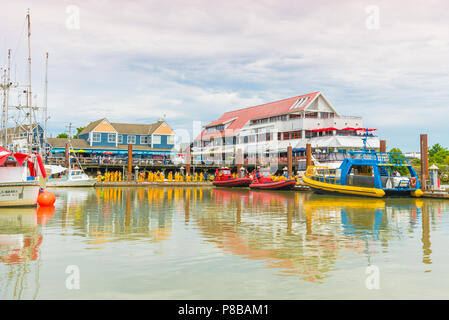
362,171
361,176
394,171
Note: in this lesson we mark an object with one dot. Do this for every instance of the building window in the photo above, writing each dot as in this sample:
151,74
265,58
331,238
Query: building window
120,138
171,140
111,137
96,137
144,140
131,139
157,140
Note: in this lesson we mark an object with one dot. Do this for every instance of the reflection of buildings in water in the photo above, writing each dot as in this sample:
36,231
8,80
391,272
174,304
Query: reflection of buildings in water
114,214
318,229
20,239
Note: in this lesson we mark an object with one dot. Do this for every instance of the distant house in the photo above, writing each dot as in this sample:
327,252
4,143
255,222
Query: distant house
18,136
103,136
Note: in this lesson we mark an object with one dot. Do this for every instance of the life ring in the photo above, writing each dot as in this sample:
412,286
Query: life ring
413,181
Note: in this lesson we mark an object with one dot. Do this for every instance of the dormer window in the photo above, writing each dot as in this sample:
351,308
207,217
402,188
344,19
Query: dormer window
300,102
215,128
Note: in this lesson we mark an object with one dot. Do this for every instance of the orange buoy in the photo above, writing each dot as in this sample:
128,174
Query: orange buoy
45,213
46,199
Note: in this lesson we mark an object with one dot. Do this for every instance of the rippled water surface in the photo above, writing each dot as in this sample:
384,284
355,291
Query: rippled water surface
206,243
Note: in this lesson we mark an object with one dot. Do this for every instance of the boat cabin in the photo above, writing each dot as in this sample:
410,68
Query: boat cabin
223,174
382,170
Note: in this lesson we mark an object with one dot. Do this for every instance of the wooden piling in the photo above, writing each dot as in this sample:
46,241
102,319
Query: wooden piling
383,146
130,162
308,155
67,155
289,161
188,161
424,160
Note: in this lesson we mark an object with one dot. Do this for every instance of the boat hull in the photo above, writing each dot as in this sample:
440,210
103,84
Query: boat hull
52,183
329,188
20,194
275,185
233,183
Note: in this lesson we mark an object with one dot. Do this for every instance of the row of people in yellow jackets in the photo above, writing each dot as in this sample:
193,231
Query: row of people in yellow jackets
158,176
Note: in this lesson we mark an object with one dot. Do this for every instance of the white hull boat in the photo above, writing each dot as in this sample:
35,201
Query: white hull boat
17,188
19,194
64,182
75,178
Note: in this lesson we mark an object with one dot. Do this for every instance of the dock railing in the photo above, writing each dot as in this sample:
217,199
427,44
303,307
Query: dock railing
391,158
322,174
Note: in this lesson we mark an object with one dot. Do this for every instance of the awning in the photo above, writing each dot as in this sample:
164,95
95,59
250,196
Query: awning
101,151
52,169
4,154
324,129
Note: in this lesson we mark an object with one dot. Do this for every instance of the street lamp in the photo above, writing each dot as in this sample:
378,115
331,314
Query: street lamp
136,168
434,176
182,170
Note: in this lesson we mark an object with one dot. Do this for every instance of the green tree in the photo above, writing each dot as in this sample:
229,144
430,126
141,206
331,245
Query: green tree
62,135
435,149
78,131
402,170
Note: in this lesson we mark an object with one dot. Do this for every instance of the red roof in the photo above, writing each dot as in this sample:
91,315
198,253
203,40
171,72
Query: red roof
242,116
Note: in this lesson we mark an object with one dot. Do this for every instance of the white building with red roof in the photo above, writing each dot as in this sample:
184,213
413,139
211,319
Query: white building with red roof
264,132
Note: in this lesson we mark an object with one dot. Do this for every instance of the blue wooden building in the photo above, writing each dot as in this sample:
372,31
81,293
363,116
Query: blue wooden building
103,136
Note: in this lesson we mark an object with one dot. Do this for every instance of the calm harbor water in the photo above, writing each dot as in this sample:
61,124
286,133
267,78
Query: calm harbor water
206,243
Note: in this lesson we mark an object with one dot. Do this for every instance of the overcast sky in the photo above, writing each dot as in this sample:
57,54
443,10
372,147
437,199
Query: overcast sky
387,61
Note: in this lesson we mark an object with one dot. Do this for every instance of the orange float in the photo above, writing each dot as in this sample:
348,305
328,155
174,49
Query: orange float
46,199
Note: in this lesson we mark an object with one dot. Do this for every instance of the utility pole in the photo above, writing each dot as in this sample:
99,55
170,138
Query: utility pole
69,129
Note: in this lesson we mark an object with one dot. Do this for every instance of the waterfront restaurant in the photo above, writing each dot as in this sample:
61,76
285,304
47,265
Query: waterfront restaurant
263,133
150,141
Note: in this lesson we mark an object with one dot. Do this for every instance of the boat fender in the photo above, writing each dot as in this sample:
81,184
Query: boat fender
413,181
46,199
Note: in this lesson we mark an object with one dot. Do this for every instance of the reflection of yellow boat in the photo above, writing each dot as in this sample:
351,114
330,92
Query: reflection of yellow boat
344,202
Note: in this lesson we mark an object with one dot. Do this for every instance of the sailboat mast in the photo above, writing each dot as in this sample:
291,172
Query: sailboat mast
7,99
45,96
29,105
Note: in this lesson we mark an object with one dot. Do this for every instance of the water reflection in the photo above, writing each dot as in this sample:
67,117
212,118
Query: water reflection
294,235
20,239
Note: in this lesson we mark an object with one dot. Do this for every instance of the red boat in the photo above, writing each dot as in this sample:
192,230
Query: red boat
266,183
223,178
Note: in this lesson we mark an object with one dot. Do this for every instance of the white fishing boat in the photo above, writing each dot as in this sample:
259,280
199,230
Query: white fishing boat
74,178
17,186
